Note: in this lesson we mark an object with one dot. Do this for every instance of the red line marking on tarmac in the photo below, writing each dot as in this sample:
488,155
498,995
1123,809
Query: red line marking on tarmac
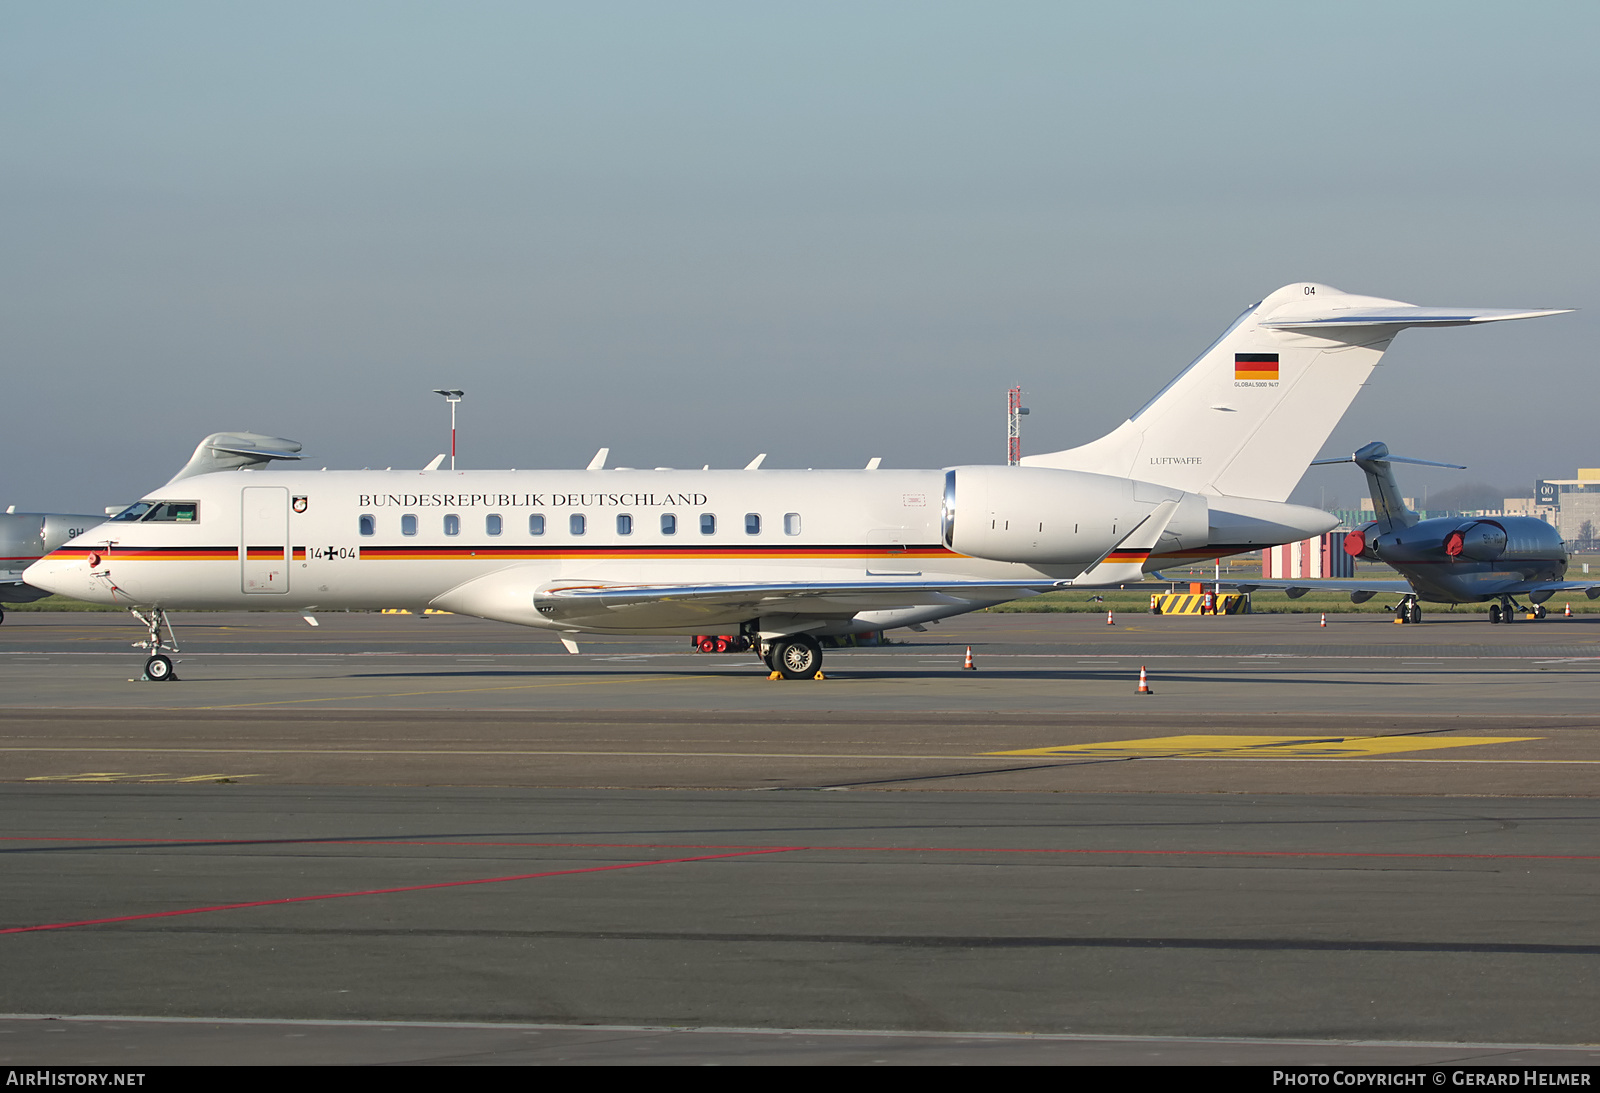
387,891
747,848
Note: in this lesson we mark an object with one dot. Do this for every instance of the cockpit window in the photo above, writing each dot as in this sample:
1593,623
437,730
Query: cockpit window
134,511
162,512
173,512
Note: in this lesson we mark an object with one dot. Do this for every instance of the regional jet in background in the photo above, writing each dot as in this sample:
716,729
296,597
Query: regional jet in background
1449,559
25,537
779,557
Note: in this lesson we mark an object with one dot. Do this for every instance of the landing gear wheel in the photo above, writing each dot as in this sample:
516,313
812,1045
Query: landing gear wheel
158,668
1416,612
797,657
1508,613
1539,612
1494,612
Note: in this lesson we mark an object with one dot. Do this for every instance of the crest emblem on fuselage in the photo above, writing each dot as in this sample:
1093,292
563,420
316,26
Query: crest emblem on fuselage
300,504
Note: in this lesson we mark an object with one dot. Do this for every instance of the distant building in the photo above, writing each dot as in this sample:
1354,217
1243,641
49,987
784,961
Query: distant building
1322,556
1576,502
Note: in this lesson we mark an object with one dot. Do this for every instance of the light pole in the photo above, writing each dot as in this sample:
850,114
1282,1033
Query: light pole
452,397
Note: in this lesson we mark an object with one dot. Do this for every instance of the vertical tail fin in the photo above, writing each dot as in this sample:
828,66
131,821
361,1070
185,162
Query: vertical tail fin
1387,503
1378,465
1248,415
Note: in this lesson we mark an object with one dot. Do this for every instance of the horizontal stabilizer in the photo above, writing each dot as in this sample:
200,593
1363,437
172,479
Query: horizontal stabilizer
1406,315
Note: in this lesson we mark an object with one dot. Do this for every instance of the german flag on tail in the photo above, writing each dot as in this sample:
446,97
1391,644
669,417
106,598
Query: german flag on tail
1255,366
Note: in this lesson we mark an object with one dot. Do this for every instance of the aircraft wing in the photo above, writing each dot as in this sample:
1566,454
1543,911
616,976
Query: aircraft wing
13,590
589,602
1364,589
1539,591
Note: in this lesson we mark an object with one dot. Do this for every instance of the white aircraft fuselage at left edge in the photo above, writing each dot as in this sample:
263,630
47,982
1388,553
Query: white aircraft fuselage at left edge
780,556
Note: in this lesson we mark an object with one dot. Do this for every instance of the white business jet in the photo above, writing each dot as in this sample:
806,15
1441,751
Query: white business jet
780,557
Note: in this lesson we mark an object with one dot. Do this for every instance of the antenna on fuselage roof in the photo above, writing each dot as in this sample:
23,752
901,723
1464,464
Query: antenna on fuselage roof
755,464
875,462
598,463
438,461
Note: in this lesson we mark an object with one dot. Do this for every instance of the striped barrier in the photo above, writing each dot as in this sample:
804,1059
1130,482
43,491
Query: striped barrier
1189,603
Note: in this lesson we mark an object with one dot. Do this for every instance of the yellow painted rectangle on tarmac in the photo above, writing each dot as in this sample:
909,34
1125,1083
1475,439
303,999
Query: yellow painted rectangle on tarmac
1266,747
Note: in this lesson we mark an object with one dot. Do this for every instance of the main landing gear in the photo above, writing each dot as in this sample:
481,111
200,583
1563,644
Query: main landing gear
159,667
1408,610
1507,610
793,656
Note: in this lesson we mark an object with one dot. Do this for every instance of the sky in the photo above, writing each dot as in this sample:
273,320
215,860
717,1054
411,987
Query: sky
696,231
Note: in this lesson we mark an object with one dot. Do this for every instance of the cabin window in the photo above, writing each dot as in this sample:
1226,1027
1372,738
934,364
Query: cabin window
369,524
536,524
576,523
491,524
669,524
408,524
624,524
791,523
452,524
752,523
708,523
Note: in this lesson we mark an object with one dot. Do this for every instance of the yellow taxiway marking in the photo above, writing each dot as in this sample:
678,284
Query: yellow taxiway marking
1065,755
1264,747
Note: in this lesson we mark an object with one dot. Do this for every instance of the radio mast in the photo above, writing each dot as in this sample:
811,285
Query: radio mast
1014,412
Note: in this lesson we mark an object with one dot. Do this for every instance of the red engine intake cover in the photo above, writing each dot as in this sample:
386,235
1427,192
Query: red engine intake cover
1454,543
1355,543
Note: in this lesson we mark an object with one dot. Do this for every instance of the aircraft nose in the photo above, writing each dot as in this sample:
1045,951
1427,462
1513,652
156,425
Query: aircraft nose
64,575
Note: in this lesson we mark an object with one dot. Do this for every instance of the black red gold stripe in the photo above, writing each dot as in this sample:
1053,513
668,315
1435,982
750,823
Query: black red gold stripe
1255,366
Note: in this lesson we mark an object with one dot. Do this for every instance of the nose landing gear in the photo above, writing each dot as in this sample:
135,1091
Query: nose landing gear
1409,610
159,668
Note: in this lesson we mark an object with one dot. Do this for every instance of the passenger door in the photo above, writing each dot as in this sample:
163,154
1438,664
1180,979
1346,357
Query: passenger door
264,540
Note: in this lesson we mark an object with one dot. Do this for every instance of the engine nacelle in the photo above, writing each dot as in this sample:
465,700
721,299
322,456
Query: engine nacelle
1043,516
1359,543
1480,541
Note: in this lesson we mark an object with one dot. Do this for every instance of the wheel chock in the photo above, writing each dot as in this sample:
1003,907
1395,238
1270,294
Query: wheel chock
776,675
819,675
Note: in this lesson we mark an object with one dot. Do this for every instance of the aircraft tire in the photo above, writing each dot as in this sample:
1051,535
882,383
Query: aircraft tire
1416,612
797,657
158,668
1494,612
1539,612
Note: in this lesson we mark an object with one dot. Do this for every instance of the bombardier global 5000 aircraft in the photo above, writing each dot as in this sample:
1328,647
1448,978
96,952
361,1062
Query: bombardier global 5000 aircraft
781,557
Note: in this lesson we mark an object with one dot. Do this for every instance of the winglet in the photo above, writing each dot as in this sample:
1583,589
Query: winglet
229,451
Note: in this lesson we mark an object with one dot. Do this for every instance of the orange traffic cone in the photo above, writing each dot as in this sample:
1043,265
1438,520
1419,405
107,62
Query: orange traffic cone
1568,612
1144,683
967,664
1324,622
1109,620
